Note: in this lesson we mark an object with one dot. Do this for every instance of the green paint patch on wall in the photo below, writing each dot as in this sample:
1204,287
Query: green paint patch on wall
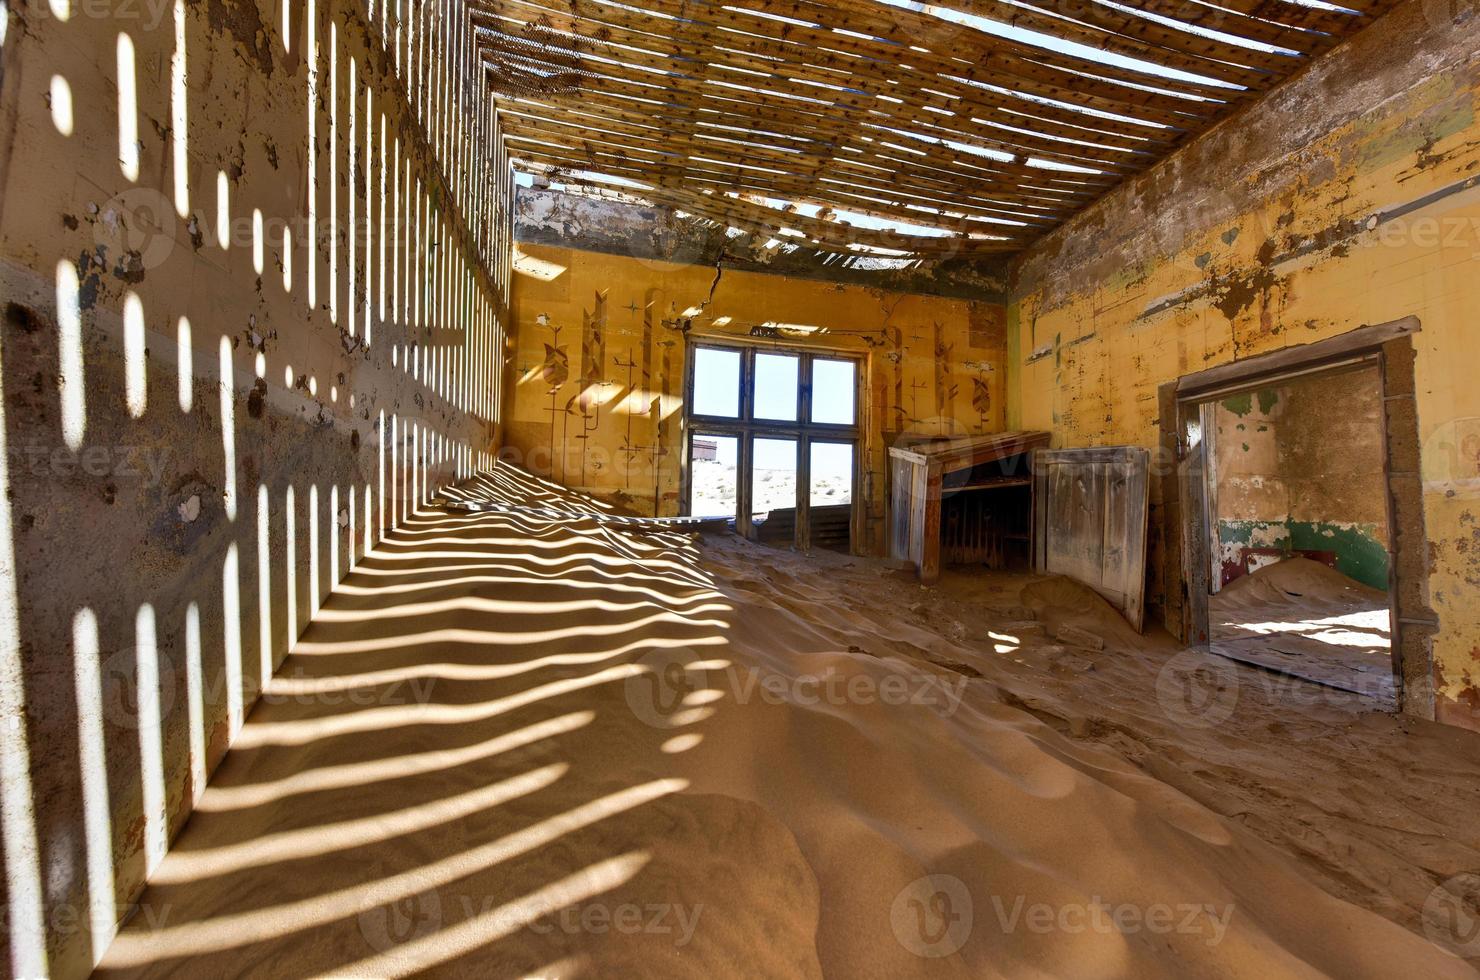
1440,108
1242,404
1361,553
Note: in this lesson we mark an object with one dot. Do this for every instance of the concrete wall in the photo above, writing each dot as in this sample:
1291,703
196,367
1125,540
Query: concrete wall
600,360
1347,197
1300,466
252,262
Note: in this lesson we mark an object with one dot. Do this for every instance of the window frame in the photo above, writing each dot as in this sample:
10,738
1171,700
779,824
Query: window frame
746,428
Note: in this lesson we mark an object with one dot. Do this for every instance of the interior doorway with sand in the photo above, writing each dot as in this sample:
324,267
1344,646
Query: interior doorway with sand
1290,475
1298,520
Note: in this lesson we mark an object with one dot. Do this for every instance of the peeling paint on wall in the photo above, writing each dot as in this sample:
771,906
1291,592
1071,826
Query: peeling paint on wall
1265,234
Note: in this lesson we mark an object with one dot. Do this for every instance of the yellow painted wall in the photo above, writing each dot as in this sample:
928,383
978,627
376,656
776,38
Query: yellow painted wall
599,366
1279,229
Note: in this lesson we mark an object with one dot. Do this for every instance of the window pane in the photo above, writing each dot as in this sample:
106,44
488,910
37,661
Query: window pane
774,475
833,390
776,386
716,382
832,473
713,476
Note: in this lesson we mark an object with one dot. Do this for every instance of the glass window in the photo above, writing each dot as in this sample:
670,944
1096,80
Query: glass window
831,473
716,382
713,477
776,377
833,391
773,483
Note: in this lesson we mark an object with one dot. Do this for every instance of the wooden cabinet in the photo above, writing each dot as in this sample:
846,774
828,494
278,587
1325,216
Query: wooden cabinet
922,475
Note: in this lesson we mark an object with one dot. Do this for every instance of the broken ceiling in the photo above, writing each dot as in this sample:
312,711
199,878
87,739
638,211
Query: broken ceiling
881,126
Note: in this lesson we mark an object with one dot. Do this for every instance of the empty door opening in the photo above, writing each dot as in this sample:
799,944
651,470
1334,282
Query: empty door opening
1297,507
1296,521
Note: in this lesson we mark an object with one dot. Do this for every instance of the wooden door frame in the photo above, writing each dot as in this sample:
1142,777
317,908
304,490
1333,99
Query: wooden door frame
1187,520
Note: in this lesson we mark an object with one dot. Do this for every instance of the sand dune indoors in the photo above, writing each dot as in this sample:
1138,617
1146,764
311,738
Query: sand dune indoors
533,746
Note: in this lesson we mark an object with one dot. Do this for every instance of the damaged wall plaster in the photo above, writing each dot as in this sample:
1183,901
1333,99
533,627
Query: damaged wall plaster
1349,196
211,404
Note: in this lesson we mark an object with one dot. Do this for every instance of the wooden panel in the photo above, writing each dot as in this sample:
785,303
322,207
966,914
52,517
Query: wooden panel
901,473
917,514
930,525
1192,469
1090,512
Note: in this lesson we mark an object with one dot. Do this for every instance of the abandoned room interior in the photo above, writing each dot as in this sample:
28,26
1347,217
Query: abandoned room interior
789,488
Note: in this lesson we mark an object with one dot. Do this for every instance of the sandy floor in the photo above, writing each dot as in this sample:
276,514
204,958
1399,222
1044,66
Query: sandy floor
1301,618
511,746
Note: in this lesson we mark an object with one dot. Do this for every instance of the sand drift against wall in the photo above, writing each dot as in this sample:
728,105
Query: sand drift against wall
513,743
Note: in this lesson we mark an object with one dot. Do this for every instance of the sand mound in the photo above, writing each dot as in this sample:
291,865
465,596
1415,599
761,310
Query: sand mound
574,751
1060,601
1301,578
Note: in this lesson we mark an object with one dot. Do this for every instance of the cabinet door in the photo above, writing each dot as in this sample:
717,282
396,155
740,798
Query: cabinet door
1089,508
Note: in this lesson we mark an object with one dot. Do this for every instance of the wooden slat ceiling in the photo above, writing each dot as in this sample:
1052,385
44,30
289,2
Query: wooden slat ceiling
880,126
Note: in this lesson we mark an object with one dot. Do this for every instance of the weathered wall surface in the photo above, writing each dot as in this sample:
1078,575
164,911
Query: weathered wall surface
1347,197
1300,466
253,306
598,373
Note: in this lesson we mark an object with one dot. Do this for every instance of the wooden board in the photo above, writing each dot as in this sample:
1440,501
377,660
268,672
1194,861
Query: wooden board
1090,511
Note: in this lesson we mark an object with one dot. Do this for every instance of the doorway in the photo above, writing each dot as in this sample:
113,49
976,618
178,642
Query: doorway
772,439
1298,509
1300,542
